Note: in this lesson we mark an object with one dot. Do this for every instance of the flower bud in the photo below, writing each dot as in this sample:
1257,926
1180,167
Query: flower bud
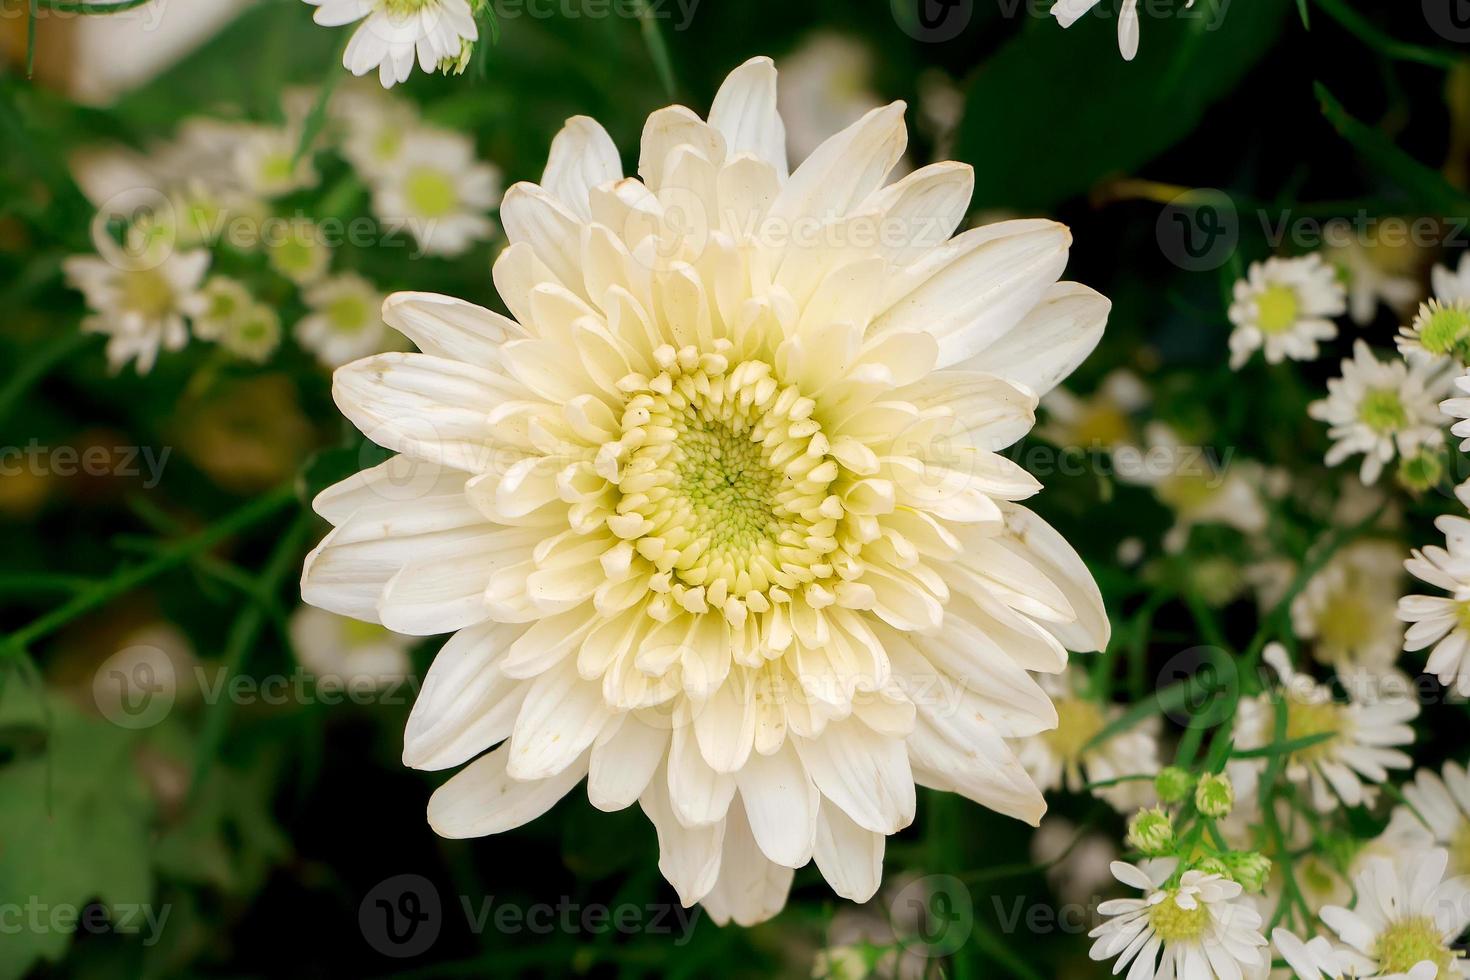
1173,784
1152,832
1248,868
1214,796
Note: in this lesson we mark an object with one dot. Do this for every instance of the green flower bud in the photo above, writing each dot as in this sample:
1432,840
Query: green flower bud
1422,471
1152,832
1214,796
1248,868
1212,866
457,64
1173,784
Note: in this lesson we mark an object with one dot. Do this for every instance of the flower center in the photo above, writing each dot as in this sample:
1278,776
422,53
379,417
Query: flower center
348,314
1460,848
148,293
430,193
1175,924
1102,425
1344,621
277,169
403,8
1277,309
1307,719
725,486
1444,329
1078,721
1382,410
356,633
1409,941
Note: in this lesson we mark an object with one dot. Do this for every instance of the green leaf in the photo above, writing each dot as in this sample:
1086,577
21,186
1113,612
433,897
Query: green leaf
1055,111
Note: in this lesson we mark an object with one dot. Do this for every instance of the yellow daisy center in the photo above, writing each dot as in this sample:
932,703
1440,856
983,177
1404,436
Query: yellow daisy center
1175,924
726,487
357,633
148,293
1382,410
1078,721
1305,720
1277,309
1444,329
1344,621
1411,941
430,193
348,314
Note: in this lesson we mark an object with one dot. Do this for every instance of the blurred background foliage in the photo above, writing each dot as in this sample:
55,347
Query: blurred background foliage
262,827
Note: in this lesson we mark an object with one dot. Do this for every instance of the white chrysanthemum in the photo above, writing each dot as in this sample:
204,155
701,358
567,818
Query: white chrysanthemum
1349,608
1404,924
1187,481
1440,329
139,302
1285,306
1442,621
1195,928
395,32
1100,420
1382,408
1068,12
439,191
1063,758
1358,738
348,654
718,515
267,162
1436,814
345,322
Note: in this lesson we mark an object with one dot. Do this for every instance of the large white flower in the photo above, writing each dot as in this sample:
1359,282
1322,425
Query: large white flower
1382,408
1436,814
1285,306
1404,923
718,515
394,32
138,301
1442,621
1195,928
1358,740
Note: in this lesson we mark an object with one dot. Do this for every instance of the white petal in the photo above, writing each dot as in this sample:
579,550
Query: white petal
849,857
744,111
482,799
582,157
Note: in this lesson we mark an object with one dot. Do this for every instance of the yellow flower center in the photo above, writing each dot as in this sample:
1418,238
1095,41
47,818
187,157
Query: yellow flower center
356,633
1078,720
1277,309
1102,425
1382,410
1175,924
1308,719
1410,941
402,8
726,487
1444,329
147,293
1460,848
1344,621
348,314
277,169
1185,492
430,193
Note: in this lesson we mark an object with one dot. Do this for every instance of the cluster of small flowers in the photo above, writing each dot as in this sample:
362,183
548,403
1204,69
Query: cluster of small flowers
220,218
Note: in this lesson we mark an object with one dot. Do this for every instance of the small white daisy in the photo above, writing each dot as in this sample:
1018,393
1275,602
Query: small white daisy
1437,815
268,164
1195,929
1100,420
1285,306
1062,758
346,321
1068,12
1406,915
254,334
375,127
139,304
1318,958
1441,329
297,249
1373,272
217,305
1349,608
1380,408
1442,621
440,192
346,653
1187,480
438,32
1359,736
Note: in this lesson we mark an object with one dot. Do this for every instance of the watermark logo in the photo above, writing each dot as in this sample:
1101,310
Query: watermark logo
402,916
1199,230
1450,19
135,687
933,916
933,21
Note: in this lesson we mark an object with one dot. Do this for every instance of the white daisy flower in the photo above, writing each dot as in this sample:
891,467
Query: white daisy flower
1062,757
440,192
1437,814
1189,482
346,321
1441,329
1285,306
375,126
1359,737
439,33
1349,609
138,302
343,653
1373,272
714,532
1404,924
297,248
267,163
1382,408
1197,928
254,334
1442,621
217,304
1452,287
1068,12
1100,420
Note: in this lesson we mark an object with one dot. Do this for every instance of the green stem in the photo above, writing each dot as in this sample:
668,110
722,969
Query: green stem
658,49
130,578
35,367
82,7
1364,30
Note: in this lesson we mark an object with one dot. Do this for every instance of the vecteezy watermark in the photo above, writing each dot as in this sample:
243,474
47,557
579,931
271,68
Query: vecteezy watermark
1450,19
1199,230
680,13
36,459
151,14
933,21
37,916
932,916
403,917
